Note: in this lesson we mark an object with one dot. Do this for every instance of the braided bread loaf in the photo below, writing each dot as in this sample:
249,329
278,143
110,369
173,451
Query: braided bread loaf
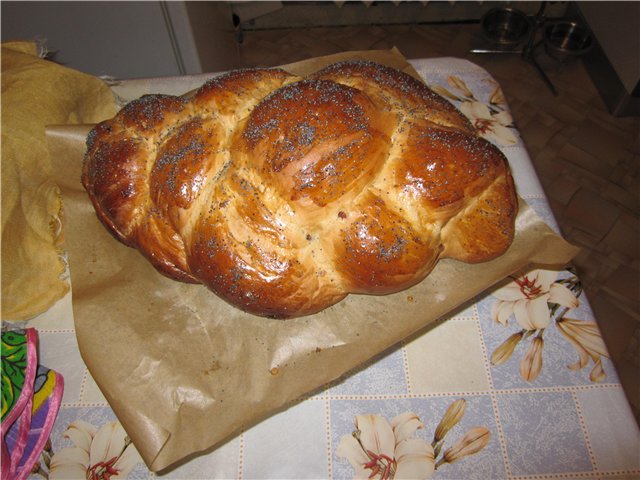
285,194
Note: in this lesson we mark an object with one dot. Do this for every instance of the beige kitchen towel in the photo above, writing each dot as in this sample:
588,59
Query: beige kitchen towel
37,92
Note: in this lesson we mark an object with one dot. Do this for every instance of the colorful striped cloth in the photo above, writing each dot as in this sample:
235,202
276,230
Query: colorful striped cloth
31,396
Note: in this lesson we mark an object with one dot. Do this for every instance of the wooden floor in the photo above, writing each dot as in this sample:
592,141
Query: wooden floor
586,159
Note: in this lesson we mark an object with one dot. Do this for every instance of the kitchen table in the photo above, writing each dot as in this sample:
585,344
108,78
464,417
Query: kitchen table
514,384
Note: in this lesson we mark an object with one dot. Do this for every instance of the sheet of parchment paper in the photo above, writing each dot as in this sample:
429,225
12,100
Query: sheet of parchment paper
185,371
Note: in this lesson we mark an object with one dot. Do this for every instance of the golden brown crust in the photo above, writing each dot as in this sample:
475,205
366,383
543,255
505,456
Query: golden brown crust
396,91
283,195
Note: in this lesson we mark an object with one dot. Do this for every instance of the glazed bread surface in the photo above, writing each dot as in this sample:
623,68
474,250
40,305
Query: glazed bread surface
285,194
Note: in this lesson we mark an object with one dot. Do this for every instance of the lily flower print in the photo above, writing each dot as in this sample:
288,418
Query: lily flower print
531,364
383,450
388,450
101,454
527,297
506,349
586,339
471,443
451,418
534,300
495,127
491,120
464,92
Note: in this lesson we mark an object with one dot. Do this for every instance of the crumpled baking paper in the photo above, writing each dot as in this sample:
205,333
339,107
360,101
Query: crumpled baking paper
184,371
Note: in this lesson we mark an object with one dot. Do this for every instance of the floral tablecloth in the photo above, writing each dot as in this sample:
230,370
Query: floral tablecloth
517,384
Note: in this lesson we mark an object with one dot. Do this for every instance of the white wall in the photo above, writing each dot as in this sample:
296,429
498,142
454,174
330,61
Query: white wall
616,25
126,39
